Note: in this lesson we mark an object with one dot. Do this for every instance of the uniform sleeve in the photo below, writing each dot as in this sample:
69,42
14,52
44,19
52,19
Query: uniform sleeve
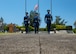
24,18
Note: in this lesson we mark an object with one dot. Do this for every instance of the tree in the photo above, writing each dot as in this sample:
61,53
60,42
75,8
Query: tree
75,24
2,19
63,22
2,24
5,27
32,14
59,21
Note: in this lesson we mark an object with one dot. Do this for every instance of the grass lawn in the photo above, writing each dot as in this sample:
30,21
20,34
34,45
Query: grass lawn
8,33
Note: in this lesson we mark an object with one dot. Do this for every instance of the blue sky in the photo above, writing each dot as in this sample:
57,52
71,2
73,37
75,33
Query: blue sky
13,11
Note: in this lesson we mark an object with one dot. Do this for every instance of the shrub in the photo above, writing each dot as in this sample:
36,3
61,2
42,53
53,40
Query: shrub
74,30
6,28
22,29
68,27
60,27
19,27
31,28
53,26
42,29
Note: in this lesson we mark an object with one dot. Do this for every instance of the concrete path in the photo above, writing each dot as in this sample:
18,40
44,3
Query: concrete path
42,43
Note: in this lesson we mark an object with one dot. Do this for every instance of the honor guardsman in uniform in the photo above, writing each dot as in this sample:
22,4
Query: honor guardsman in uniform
48,19
26,20
36,22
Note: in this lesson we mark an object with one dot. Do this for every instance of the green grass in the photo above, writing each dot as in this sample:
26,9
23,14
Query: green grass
7,33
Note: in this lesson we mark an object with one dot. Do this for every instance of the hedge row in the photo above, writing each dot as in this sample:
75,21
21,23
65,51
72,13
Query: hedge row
61,27
58,27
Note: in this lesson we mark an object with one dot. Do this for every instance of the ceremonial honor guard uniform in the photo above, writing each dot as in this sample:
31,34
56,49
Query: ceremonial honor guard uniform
48,19
26,20
36,21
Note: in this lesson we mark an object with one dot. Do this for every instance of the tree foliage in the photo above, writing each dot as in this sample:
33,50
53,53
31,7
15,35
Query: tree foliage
32,14
59,21
75,24
1,19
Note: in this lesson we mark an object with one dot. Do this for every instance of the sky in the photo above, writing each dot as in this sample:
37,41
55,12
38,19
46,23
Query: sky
13,11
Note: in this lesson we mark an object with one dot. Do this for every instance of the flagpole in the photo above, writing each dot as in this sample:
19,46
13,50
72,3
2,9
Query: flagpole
51,6
25,6
38,6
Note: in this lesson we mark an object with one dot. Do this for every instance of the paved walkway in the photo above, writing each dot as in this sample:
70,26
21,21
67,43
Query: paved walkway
42,43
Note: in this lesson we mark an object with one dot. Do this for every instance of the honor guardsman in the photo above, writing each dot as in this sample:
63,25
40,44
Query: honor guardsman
36,22
48,19
26,20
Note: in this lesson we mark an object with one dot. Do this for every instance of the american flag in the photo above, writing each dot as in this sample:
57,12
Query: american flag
36,7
